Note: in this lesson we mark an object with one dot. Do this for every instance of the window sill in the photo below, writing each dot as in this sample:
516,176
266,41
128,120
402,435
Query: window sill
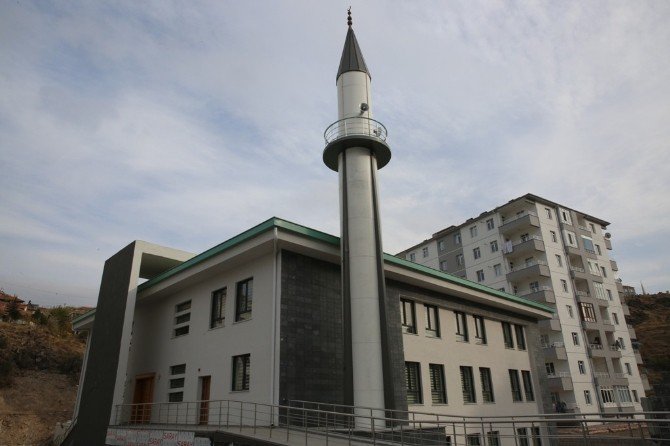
217,327
409,333
463,340
243,320
433,337
240,391
481,343
439,404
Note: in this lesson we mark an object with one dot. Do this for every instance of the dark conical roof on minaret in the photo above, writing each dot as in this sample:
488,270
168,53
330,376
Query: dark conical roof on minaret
352,57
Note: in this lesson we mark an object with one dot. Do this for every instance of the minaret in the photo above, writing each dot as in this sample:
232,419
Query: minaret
355,148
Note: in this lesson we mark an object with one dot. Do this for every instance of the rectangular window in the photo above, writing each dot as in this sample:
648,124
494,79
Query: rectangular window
175,397
564,285
487,385
587,242
218,308
457,239
507,335
490,224
493,438
537,437
598,250
244,299
609,294
527,385
461,326
515,385
629,371
473,440
623,393
480,330
494,246
182,315
549,367
581,367
615,319
425,252
575,338
437,389
522,436
604,271
468,385
441,246
548,212
559,261
408,316
476,253
412,257
432,322
593,228
178,369
599,290
570,313
607,395
413,383
443,265
473,231
587,311
176,383
553,236
497,269
587,397
534,286
520,337
635,397
480,275
241,372
459,259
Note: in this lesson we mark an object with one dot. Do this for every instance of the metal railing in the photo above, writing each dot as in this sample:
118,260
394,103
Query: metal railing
303,422
530,237
535,290
516,217
355,126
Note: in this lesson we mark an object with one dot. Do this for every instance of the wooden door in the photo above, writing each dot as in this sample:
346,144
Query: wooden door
205,382
142,399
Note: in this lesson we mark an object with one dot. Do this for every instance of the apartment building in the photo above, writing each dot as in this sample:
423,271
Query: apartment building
549,253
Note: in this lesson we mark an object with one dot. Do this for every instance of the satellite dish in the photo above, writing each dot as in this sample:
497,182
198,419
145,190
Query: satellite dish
608,235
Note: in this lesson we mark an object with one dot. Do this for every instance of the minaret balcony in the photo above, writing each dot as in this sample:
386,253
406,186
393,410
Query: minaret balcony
357,131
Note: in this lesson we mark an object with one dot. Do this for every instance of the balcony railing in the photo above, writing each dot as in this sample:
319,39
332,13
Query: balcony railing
516,217
355,126
535,290
559,375
577,269
529,264
554,344
529,238
596,346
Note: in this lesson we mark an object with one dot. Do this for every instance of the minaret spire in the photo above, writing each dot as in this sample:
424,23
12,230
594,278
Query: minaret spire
349,17
352,56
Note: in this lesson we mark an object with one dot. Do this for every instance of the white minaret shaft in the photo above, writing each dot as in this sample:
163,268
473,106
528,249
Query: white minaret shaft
356,148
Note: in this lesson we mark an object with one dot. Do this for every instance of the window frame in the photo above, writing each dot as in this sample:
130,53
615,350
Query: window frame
461,326
438,388
476,253
217,314
408,325
480,330
244,302
432,323
527,380
468,385
508,336
413,382
488,394
245,384
520,336
494,246
515,385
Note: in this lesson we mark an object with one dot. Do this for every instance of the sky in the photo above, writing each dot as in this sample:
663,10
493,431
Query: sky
186,123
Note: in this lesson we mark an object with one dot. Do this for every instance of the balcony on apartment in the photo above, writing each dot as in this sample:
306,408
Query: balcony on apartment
626,310
527,245
578,272
555,350
539,294
631,331
598,351
525,219
560,381
608,244
552,324
528,270
608,326
638,358
645,382
591,324
619,286
607,379
614,265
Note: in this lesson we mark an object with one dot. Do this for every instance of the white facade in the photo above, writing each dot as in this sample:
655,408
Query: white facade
558,256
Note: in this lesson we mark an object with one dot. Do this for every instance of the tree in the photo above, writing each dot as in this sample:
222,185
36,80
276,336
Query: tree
39,317
59,319
13,312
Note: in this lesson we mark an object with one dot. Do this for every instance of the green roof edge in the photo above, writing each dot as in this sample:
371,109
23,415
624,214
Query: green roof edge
275,222
82,316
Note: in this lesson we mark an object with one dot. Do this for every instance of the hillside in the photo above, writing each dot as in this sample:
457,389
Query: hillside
649,314
39,370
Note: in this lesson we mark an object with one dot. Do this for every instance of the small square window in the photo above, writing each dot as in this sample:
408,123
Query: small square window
178,369
443,265
412,257
441,245
175,397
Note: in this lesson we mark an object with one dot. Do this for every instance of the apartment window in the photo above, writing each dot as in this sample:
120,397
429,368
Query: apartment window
241,372
457,239
629,371
441,245
520,337
515,385
635,397
559,261
480,330
564,214
615,319
527,385
412,257
581,367
598,250
549,367
537,437
604,271
593,268
473,440
507,335
476,253
480,275
553,236
587,397
413,383
599,290
571,239
473,231
564,285
534,287
176,383
493,438
607,395
494,246
497,270
588,313
501,289
490,224
218,308
487,385
609,294
548,212
182,315
461,326
525,237
425,252
438,391
432,321
587,242
408,316
459,259
244,299
443,265
575,338
570,313
468,385
522,436
623,393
